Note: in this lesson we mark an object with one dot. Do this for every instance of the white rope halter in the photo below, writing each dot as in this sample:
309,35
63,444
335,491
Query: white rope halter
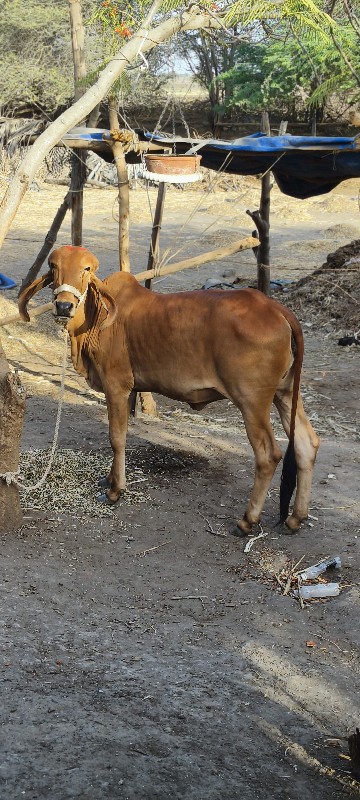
66,287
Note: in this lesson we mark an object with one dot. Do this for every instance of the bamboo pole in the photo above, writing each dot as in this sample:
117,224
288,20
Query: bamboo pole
168,269
34,312
198,261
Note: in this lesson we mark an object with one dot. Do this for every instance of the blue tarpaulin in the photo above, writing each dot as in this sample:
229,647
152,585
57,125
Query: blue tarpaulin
303,166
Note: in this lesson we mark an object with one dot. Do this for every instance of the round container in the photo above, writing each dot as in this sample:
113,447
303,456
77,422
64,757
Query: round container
172,165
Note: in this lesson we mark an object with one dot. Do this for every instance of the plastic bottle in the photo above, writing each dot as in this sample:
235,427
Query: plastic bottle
318,569
319,590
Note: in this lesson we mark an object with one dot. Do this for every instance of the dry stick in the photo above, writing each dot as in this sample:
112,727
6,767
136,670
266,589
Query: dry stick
288,582
193,597
49,242
144,552
210,528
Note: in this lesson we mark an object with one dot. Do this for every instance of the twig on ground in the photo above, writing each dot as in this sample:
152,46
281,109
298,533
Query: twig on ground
210,528
149,550
200,597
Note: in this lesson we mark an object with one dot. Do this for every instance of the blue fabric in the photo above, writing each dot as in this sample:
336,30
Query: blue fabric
6,283
303,166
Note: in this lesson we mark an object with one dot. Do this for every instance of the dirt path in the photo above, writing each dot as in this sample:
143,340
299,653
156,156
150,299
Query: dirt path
144,655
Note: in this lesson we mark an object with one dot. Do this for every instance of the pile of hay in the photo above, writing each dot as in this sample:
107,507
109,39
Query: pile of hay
331,293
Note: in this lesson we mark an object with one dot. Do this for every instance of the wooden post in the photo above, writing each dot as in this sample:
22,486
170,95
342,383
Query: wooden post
263,254
262,222
78,157
12,409
155,234
123,184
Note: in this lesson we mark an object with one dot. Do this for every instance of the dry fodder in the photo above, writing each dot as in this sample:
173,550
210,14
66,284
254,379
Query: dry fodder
71,485
332,293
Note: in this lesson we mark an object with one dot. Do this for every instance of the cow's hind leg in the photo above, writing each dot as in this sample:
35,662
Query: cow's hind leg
267,456
118,412
306,445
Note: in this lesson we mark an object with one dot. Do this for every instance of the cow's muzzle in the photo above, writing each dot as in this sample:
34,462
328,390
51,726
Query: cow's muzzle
63,309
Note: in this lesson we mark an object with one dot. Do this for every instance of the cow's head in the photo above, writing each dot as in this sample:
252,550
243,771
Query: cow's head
71,273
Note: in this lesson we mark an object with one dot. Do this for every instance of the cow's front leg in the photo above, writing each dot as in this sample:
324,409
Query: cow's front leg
267,456
118,412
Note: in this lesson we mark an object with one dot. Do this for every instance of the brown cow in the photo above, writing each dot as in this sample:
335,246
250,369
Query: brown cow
192,346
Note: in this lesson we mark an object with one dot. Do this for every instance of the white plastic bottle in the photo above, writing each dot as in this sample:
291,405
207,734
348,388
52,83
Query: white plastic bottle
319,590
318,569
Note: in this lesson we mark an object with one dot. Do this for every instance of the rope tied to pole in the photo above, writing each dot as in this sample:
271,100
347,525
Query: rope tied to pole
13,477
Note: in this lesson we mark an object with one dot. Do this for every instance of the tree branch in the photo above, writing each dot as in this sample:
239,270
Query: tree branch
142,42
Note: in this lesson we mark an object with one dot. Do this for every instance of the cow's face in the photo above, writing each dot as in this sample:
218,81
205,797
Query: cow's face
71,269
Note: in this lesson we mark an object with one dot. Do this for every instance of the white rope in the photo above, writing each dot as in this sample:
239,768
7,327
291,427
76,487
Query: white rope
66,287
12,477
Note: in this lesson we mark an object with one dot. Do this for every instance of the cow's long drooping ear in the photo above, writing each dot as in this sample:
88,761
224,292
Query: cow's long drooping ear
110,302
29,292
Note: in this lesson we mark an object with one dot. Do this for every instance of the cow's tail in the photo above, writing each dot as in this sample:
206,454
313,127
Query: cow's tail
289,471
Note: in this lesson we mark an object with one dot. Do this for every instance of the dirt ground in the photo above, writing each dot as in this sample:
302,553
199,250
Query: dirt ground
144,655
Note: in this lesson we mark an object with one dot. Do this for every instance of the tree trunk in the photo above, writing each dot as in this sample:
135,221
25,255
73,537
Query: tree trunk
12,408
78,157
145,40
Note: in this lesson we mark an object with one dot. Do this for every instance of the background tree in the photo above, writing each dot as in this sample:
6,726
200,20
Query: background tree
36,55
294,68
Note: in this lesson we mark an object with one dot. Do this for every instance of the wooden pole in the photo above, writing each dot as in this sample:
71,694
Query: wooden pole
155,234
35,312
78,157
123,184
198,261
12,409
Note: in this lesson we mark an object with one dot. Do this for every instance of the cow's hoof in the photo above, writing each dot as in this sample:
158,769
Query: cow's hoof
239,532
244,527
292,525
105,500
104,482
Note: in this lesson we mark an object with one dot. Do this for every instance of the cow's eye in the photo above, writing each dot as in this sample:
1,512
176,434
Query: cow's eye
87,269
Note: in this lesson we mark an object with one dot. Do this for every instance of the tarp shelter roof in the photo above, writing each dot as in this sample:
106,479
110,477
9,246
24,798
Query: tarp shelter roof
303,166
